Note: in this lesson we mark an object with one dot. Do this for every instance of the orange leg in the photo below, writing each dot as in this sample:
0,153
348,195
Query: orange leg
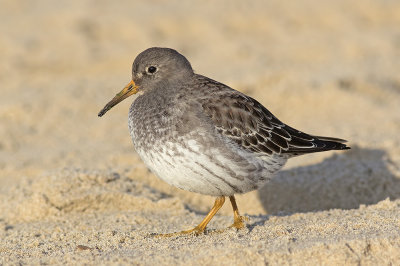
238,221
202,226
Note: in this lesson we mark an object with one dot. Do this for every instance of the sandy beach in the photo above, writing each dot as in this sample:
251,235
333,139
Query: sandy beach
74,191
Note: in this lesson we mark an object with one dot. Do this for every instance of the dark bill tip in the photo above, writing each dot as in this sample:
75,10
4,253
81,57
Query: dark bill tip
103,111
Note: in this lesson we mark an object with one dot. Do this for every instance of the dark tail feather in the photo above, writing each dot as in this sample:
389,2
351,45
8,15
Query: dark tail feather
320,144
331,139
327,144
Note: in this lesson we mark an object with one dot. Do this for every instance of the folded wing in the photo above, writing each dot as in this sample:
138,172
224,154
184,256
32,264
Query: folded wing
251,126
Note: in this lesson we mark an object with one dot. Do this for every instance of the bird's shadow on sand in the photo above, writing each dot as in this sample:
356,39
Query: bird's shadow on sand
344,181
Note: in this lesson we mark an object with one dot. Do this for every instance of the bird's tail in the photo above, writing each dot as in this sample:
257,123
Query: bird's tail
329,143
319,144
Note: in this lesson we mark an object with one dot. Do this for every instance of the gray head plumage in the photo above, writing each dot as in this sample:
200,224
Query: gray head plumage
157,64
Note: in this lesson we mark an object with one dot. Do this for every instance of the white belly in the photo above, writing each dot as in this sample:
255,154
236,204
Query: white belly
209,172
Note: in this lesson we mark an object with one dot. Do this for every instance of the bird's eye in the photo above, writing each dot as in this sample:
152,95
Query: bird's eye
151,69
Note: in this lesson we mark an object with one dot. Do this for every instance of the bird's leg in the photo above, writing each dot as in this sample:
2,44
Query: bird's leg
199,229
238,221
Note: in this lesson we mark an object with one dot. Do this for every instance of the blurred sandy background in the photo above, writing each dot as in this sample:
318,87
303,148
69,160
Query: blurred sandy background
73,190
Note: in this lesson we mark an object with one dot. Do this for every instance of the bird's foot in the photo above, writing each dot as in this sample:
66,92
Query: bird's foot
239,222
198,230
195,231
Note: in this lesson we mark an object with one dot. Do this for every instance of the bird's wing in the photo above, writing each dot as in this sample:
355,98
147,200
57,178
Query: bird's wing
251,126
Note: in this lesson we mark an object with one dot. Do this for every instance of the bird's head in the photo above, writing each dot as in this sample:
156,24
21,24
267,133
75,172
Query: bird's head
153,68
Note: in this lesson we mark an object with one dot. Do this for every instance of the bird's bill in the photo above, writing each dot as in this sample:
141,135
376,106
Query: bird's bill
130,88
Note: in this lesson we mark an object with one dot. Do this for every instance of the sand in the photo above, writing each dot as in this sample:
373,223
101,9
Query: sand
73,190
